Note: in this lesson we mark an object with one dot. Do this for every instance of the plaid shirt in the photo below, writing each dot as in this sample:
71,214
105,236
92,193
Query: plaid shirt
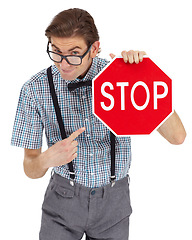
35,113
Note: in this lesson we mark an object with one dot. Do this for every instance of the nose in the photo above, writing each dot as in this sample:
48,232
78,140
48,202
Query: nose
64,64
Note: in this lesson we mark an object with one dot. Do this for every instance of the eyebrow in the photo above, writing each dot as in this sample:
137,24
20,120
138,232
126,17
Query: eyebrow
71,49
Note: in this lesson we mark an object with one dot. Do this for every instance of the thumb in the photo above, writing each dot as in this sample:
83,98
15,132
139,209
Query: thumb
112,55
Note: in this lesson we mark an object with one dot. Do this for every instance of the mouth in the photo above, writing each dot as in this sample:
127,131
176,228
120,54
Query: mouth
68,74
67,71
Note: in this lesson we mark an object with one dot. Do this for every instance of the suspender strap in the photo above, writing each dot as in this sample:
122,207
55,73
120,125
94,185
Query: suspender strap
113,177
59,117
63,133
56,105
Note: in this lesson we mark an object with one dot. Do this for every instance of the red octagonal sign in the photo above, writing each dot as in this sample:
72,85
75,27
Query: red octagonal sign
132,99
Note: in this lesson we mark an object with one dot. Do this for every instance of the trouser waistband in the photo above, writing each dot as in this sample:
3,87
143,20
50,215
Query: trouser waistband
86,191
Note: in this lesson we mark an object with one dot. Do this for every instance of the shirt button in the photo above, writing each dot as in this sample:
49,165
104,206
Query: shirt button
91,154
88,135
93,192
86,119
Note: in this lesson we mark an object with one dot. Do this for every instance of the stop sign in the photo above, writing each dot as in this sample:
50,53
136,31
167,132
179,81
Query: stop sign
132,99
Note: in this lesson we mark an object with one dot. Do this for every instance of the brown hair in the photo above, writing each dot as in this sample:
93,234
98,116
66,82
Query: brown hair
73,22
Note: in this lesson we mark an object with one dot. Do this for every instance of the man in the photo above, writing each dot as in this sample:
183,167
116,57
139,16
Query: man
89,190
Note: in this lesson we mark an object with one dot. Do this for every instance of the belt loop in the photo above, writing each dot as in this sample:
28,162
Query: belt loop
104,191
77,189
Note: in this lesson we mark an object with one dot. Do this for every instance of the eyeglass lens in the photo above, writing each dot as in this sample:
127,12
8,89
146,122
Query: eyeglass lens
70,59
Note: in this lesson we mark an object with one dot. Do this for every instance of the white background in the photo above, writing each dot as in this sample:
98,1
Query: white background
161,174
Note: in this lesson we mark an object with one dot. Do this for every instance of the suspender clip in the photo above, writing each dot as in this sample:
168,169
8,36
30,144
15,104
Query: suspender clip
72,177
112,180
72,182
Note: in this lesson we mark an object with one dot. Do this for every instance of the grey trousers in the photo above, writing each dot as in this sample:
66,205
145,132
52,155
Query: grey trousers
102,213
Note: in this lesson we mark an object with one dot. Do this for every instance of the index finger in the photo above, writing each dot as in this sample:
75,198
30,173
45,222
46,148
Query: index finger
75,134
141,54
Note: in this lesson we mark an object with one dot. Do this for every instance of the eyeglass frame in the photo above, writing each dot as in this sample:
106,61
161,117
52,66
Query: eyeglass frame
65,57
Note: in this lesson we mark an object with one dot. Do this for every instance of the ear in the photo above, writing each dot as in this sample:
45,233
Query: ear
95,49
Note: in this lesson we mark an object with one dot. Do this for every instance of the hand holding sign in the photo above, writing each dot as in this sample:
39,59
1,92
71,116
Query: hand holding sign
131,56
132,98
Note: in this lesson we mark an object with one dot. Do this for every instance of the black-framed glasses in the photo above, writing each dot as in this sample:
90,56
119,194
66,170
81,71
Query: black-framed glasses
70,59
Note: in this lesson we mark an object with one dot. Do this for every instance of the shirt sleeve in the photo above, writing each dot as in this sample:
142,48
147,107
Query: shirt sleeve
28,126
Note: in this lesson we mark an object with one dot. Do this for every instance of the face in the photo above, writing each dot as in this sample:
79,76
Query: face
73,46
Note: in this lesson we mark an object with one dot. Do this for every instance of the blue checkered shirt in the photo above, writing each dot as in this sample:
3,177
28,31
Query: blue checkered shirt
35,113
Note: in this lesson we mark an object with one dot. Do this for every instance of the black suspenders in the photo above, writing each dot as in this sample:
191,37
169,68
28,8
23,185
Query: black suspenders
113,177
63,133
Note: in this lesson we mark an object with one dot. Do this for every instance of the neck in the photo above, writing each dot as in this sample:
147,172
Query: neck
83,74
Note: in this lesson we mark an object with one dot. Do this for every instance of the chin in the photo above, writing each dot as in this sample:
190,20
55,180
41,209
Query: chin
68,77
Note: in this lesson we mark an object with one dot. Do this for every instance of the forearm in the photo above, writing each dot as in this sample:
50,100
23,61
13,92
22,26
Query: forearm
173,130
37,163
34,164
